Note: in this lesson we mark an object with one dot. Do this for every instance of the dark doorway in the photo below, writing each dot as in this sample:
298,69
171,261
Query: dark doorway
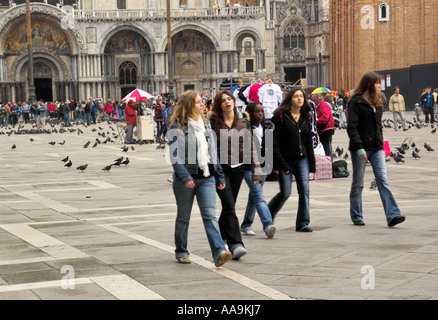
127,90
43,89
294,74
189,87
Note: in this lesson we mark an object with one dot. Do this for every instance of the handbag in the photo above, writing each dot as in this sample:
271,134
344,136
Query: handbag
340,169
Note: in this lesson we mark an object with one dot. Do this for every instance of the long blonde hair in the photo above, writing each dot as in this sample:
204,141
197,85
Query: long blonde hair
184,108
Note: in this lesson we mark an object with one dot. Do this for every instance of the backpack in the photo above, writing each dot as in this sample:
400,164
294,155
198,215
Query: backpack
340,169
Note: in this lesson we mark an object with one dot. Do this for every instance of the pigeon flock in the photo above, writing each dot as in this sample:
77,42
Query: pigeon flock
399,156
55,126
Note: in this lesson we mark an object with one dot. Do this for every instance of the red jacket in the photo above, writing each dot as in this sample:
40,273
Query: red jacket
108,108
130,114
254,92
325,118
159,113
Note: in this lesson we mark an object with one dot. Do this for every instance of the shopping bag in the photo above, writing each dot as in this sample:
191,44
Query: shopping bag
319,150
324,167
386,148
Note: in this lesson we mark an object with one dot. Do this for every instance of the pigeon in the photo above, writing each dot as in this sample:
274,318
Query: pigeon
31,139
68,164
65,159
397,159
52,143
107,168
373,185
13,146
61,143
117,162
428,148
433,131
87,144
415,155
119,159
346,156
95,145
125,162
125,149
82,168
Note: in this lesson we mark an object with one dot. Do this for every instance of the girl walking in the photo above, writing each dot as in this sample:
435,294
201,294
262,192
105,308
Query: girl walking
194,175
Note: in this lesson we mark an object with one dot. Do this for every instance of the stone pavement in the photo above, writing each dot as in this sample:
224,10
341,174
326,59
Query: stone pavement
97,235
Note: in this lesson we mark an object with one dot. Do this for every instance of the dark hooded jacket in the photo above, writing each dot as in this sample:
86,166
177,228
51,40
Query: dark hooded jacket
364,125
293,140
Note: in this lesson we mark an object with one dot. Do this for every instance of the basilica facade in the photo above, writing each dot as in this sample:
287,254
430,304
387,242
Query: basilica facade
106,48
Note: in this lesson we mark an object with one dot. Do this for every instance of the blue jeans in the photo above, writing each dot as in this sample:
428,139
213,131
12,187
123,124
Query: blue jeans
256,200
205,192
88,118
300,169
121,113
378,163
67,120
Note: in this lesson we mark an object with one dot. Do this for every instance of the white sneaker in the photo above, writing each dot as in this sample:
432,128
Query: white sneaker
270,231
248,231
238,252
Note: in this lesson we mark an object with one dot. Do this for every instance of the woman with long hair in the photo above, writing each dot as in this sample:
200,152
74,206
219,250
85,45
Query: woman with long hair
195,174
256,199
364,127
233,132
293,136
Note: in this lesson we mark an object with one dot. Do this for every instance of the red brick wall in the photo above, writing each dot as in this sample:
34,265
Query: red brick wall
410,37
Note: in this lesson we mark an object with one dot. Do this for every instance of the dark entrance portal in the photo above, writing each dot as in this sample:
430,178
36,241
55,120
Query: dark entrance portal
126,91
294,74
43,89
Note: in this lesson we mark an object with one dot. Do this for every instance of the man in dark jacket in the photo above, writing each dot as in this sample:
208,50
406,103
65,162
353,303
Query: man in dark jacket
428,103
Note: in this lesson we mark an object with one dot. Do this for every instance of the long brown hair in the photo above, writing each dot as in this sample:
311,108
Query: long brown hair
287,102
184,108
367,83
217,102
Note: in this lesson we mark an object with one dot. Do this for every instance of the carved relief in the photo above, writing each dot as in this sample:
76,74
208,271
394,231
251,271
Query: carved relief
91,35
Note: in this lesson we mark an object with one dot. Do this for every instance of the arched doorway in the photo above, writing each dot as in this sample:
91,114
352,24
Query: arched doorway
193,56
128,77
52,48
128,62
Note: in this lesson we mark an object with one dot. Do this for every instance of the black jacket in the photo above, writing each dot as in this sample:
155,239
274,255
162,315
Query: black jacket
364,125
293,141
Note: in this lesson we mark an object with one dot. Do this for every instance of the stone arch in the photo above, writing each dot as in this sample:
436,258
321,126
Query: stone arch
52,14
198,28
118,28
61,68
240,35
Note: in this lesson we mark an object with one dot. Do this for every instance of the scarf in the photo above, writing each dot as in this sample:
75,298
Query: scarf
203,155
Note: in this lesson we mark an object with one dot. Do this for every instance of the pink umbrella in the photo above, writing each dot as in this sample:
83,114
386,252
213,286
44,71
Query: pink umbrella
137,95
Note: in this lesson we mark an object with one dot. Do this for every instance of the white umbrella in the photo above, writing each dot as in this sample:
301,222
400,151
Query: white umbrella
137,95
